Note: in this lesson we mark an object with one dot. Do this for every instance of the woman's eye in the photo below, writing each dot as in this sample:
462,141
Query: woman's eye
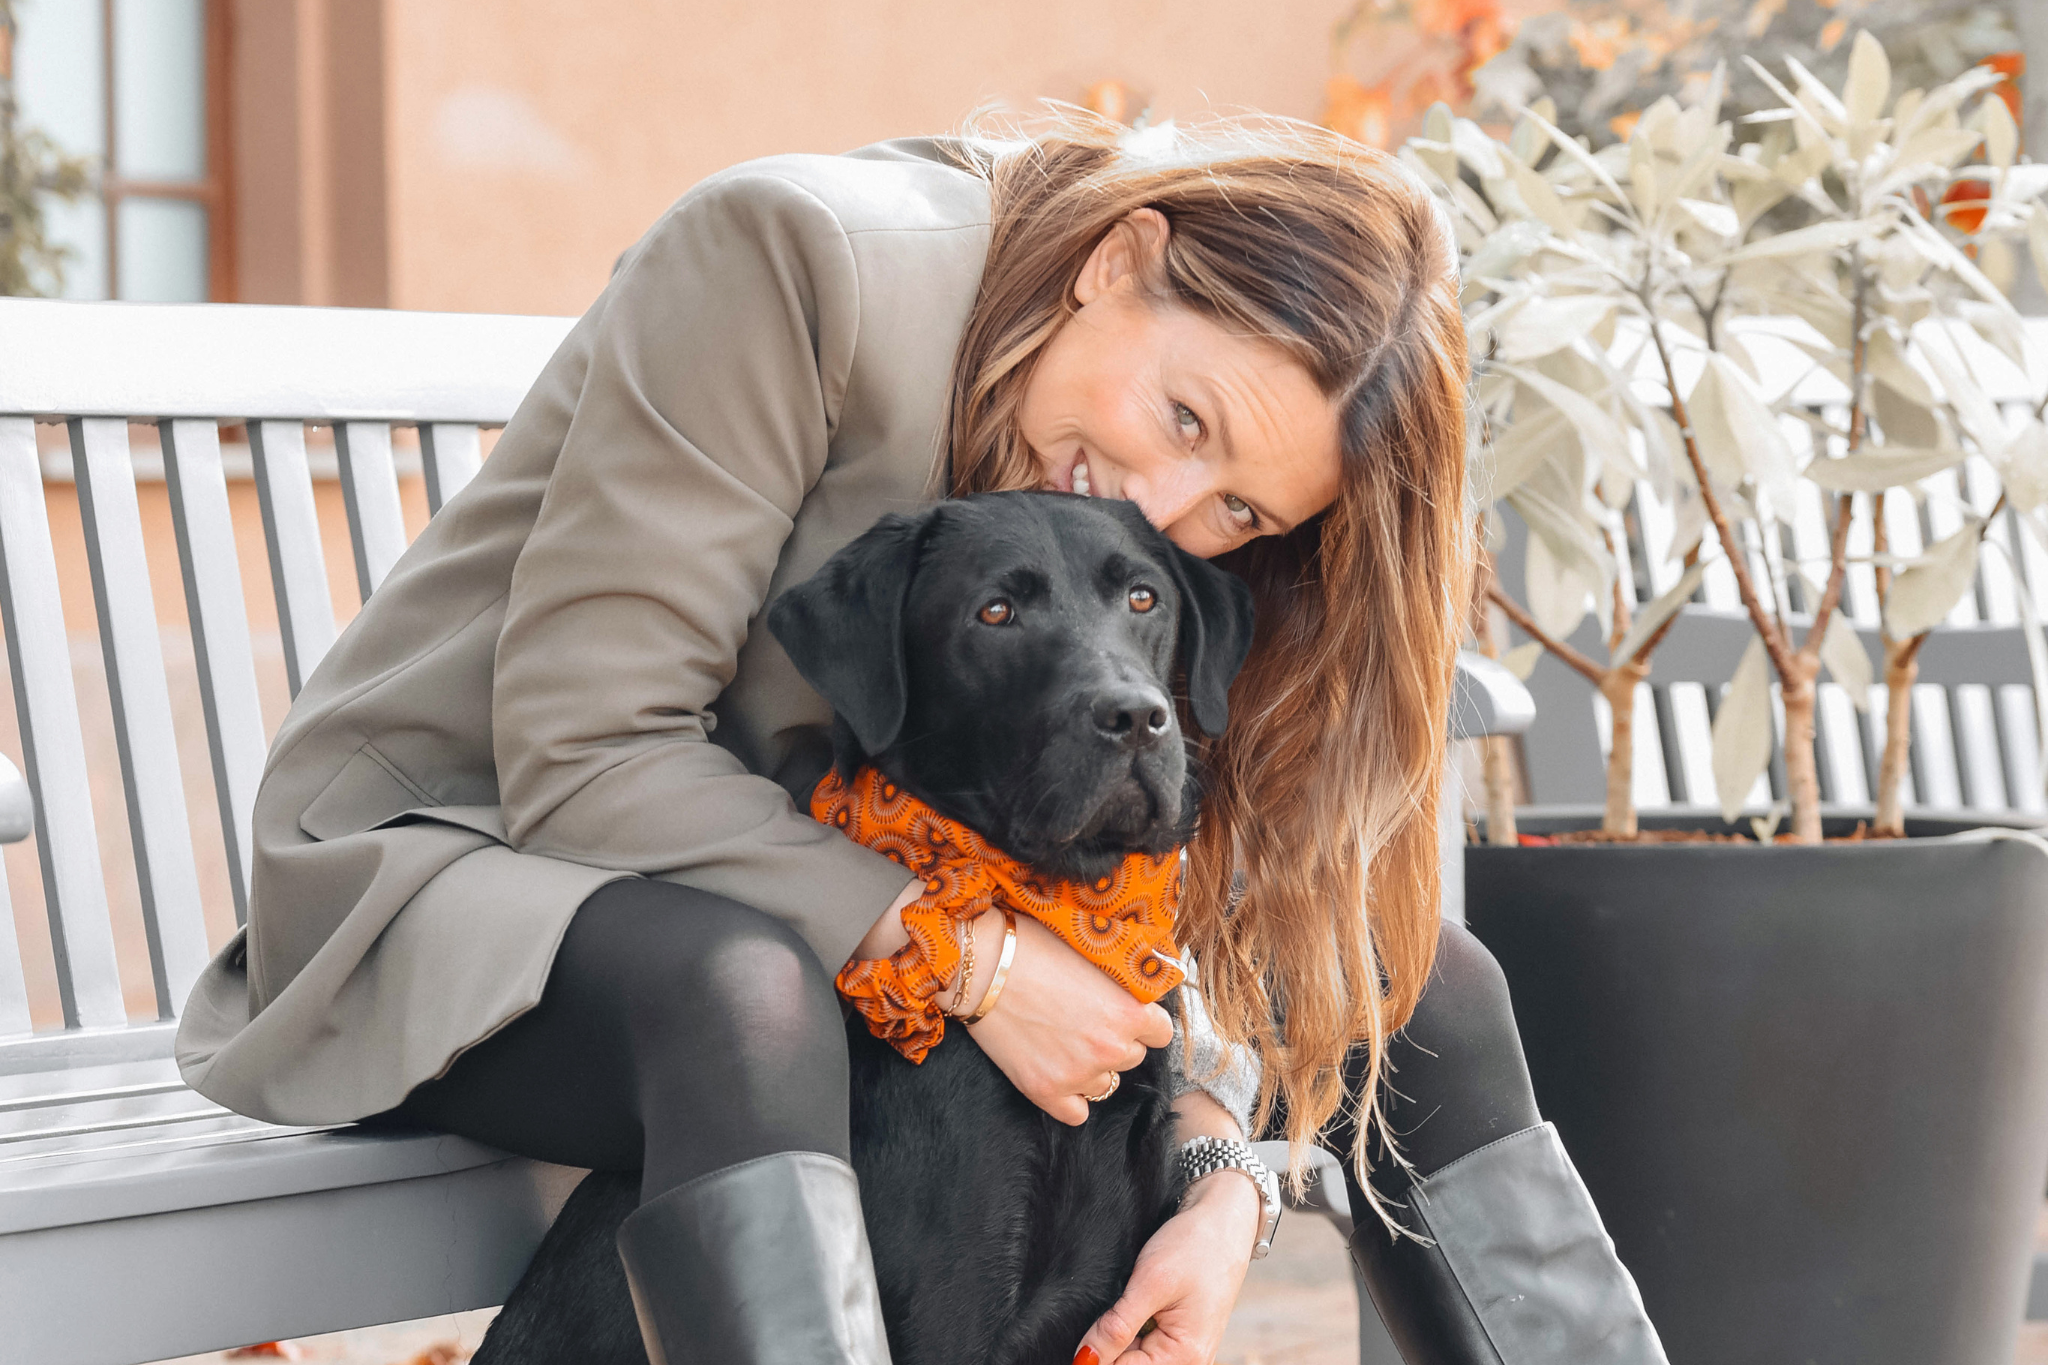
1241,514
1190,425
997,613
1143,599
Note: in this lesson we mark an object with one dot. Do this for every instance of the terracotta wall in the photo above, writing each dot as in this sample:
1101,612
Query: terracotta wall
529,141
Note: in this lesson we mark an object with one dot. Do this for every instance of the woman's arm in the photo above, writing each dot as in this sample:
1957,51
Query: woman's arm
710,379
1188,1275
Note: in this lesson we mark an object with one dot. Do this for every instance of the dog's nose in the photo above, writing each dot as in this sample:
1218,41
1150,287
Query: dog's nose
1131,716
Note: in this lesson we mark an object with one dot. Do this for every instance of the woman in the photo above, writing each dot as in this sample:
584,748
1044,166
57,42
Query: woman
527,865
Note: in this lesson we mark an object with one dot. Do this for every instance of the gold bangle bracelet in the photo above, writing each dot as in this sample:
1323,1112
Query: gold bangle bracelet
995,983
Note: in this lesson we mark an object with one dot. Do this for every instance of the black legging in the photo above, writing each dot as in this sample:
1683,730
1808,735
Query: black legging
681,1032
1455,1079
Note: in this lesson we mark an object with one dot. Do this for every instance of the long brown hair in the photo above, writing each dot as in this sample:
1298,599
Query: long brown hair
1312,902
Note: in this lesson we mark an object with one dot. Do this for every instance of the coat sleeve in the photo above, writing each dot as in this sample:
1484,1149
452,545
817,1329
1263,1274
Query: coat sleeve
713,381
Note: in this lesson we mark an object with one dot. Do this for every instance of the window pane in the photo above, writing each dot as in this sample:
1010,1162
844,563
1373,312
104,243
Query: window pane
82,226
159,89
57,73
57,81
163,250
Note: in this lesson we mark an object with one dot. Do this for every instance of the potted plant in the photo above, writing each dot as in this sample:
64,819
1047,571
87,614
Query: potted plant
1806,1082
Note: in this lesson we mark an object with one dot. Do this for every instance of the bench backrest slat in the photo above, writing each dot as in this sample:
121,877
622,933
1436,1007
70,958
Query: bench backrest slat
369,488
14,1012
450,453
226,664
166,876
196,373
291,529
53,746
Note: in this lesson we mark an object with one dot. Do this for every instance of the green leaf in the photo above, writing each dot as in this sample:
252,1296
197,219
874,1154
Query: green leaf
1543,326
2024,469
1742,730
1436,124
1973,407
1924,593
1848,662
1600,435
1876,468
1800,241
1476,149
1817,94
2037,242
1558,591
1525,445
1930,152
2001,134
1540,198
1718,219
1937,249
1870,80
1521,660
1738,435
1810,127
1651,619
1887,364
1570,147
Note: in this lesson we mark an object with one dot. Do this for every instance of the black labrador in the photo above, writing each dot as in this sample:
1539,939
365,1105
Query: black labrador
1013,660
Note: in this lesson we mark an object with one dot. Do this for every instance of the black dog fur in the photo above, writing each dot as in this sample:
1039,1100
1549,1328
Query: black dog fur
999,1234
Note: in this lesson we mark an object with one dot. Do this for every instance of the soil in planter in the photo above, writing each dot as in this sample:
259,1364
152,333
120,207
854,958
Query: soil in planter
1861,834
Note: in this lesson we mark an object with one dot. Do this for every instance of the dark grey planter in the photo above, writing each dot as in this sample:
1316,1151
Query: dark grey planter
1808,1087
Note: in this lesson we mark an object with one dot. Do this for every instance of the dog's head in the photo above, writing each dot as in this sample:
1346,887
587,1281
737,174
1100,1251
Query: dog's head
1010,658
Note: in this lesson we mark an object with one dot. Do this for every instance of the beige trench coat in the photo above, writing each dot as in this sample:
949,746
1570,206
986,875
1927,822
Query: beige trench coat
565,680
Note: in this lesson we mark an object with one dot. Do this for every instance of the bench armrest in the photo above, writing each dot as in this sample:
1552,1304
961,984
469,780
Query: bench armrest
1486,699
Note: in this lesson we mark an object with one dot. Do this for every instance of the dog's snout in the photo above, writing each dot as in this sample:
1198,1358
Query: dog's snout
1134,717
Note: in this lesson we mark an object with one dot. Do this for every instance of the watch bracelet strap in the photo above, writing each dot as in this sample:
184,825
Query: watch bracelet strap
1203,1156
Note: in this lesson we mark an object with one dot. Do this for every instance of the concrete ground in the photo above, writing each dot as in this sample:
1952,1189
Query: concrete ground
1298,1308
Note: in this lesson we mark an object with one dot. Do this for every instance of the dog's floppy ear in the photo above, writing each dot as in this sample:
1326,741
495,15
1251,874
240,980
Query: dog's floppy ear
843,627
1215,635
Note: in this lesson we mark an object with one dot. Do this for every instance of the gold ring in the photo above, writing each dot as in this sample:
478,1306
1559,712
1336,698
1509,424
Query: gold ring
1115,1080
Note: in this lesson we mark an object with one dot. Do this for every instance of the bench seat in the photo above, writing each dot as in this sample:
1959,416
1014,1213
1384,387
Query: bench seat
140,1220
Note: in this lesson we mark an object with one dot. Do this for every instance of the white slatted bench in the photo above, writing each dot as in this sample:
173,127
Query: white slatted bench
137,1220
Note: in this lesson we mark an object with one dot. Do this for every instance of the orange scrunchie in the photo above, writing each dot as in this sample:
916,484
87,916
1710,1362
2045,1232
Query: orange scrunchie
1123,923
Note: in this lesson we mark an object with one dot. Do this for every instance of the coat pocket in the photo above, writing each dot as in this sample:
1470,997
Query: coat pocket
367,792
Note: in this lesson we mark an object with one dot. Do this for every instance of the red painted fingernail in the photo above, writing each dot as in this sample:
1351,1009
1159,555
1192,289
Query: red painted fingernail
1086,1356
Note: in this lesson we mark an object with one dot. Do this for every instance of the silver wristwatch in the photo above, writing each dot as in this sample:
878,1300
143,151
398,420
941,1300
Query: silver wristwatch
1203,1156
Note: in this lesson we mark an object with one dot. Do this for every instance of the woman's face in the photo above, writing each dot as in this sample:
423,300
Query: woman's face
1217,437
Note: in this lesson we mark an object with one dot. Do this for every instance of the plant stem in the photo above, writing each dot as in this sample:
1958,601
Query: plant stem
1795,672
1566,655
1838,544
1774,643
1618,685
1901,670
1496,752
1619,688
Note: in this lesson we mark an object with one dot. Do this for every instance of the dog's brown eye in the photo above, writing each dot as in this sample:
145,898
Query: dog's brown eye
997,613
1143,599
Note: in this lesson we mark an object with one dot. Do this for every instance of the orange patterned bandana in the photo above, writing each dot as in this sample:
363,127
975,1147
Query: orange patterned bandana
1123,923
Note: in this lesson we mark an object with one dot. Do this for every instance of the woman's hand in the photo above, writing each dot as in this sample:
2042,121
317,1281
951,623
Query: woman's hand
1062,1026
1185,1282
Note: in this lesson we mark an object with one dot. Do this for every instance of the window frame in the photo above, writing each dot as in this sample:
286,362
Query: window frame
214,192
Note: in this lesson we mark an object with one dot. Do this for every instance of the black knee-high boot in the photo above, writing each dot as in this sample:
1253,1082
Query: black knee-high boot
1509,1263
763,1263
